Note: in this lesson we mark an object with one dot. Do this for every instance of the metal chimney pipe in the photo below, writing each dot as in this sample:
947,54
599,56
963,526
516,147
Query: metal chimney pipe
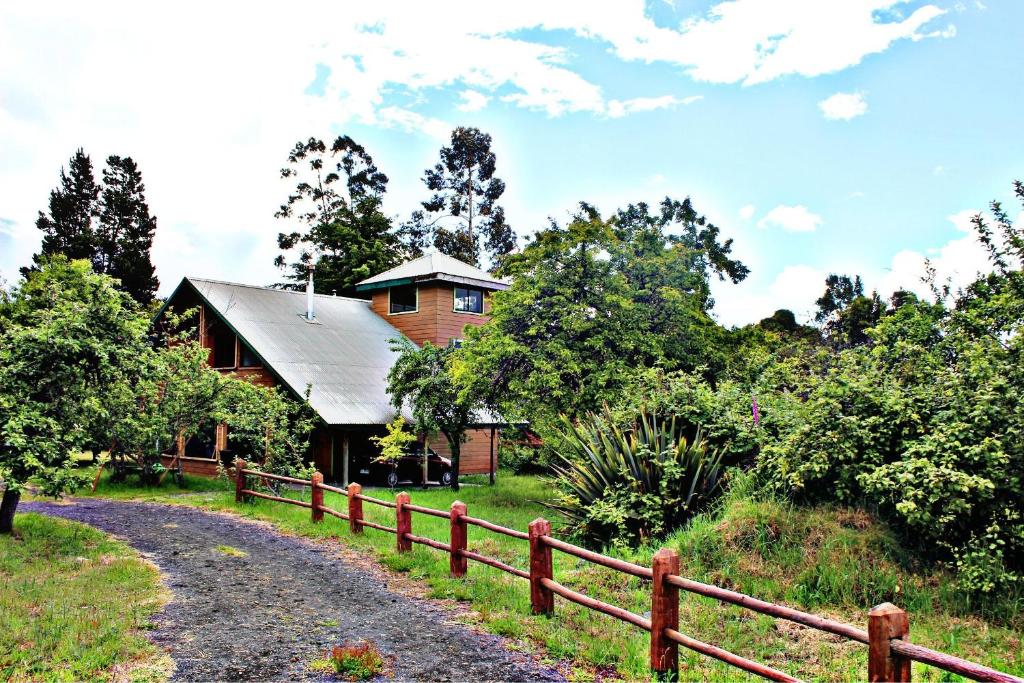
309,296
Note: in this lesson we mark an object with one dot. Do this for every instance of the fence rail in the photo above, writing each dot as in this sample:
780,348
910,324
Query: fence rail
887,637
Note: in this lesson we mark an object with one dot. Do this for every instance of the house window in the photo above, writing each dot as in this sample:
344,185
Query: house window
403,299
469,300
247,357
223,340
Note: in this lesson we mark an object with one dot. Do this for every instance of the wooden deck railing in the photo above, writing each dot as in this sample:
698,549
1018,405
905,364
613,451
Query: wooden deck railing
887,636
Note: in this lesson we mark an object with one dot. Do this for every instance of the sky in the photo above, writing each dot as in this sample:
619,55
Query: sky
850,136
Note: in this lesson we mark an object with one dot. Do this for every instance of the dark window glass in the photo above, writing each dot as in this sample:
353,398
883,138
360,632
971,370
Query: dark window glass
403,299
469,300
223,340
247,357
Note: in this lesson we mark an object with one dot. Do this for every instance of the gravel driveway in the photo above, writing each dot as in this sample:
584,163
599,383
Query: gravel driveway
265,615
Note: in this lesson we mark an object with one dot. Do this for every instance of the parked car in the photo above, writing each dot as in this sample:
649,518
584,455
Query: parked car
408,468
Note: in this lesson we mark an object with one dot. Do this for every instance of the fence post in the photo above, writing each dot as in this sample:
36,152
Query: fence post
664,613
317,496
403,522
355,508
886,622
239,480
458,562
542,600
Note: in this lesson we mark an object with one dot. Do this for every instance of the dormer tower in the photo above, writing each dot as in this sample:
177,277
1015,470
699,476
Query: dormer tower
433,298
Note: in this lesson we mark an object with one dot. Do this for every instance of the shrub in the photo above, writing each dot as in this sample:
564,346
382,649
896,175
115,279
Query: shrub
516,455
623,486
357,662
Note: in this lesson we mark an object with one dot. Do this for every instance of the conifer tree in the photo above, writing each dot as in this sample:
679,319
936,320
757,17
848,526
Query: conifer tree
124,236
464,206
67,228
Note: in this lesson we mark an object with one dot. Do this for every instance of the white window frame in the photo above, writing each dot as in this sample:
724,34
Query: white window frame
483,300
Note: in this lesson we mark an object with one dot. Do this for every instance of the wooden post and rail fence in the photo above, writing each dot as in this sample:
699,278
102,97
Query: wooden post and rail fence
890,652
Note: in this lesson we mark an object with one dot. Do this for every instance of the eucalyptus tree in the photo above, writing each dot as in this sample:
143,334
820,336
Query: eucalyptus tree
462,217
335,208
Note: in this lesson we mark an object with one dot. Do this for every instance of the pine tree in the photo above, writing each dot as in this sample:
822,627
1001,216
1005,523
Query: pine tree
67,228
464,205
337,197
124,236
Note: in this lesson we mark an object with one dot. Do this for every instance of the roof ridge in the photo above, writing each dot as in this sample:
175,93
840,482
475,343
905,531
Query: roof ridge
273,289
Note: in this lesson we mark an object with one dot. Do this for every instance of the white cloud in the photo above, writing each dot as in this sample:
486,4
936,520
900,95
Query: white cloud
957,262
961,220
795,288
410,121
751,41
843,106
791,219
747,212
619,108
211,89
472,100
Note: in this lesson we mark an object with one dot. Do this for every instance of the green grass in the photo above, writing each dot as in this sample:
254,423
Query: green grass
834,562
73,605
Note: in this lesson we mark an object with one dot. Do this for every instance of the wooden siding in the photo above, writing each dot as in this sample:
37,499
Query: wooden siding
474,456
436,320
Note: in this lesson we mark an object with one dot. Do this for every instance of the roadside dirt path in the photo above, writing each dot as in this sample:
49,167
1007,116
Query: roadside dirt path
264,613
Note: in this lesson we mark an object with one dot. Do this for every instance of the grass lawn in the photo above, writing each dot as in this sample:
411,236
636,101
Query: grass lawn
834,562
74,604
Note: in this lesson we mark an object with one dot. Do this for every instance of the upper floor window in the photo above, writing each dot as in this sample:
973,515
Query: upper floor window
469,300
247,357
403,299
223,341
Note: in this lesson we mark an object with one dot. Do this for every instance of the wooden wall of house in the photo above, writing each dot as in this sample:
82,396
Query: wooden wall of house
475,454
436,321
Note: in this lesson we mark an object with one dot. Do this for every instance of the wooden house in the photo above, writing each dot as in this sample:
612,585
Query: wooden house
339,347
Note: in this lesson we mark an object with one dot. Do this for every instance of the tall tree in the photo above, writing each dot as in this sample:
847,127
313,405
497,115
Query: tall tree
67,228
463,209
422,379
592,302
124,237
71,336
337,200
845,312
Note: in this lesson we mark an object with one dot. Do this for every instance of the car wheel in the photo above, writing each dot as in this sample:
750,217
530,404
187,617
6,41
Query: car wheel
446,478
392,478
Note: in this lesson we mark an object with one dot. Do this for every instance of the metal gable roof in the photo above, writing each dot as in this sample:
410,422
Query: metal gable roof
437,265
344,356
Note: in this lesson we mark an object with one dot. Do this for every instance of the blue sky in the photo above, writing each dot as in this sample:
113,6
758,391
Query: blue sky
849,135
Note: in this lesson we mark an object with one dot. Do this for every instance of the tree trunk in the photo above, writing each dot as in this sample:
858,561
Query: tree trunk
456,446
7,508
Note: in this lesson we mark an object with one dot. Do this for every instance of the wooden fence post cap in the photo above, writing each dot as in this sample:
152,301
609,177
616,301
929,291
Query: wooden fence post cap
355,488
458,504
665,554
540,522
402,497
884,609
317,477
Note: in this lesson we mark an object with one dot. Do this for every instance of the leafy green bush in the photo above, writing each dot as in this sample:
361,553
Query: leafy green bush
623,486
926,427
516,454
